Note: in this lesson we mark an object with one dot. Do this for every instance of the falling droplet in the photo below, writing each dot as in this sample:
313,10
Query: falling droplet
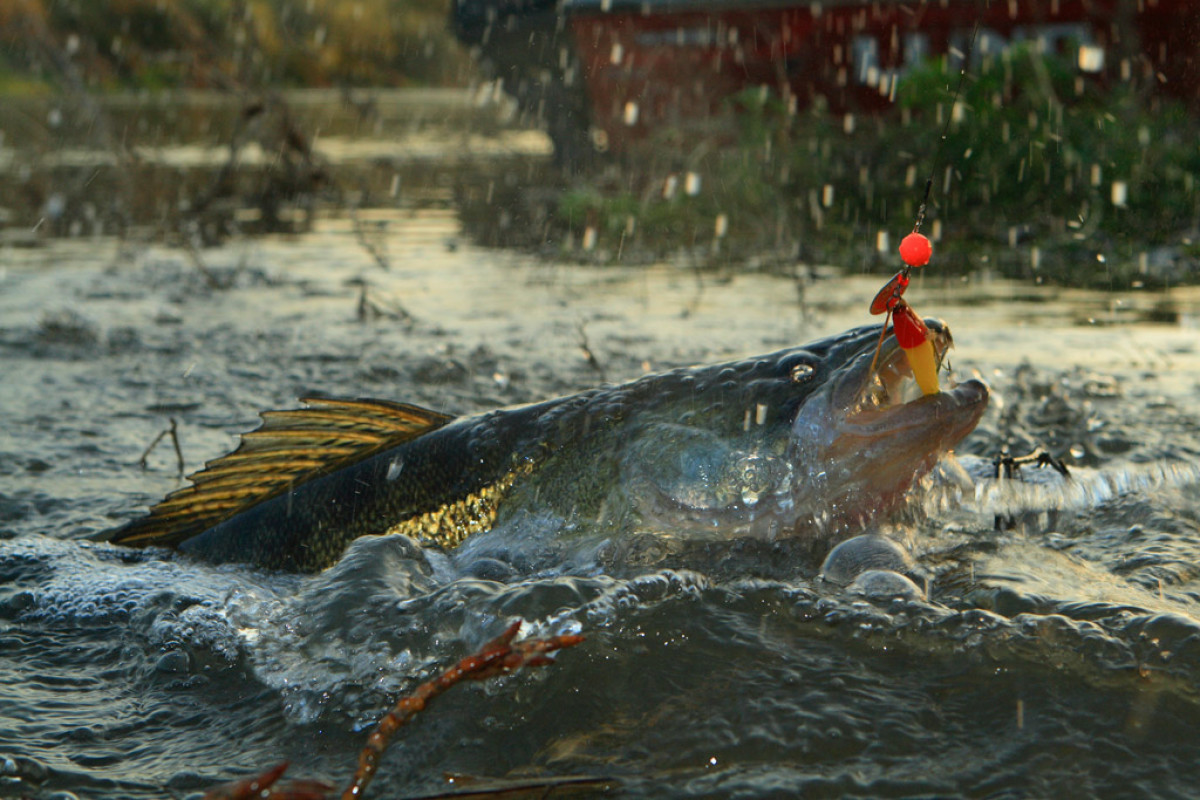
721,227
631,113
1120,193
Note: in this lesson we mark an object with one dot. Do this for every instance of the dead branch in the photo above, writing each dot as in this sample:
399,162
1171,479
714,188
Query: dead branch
588,355
497,657
174,434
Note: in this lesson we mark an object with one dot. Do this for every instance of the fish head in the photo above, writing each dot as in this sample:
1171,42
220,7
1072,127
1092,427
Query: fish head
867,433
818,440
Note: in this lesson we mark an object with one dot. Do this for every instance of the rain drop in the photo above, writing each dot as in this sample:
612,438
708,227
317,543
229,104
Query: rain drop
721,227
395,468
1120,193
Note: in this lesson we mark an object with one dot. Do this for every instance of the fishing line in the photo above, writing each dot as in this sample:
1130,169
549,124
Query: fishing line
937,153
889,299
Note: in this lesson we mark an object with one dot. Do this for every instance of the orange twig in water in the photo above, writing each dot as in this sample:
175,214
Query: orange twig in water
264,786
496,657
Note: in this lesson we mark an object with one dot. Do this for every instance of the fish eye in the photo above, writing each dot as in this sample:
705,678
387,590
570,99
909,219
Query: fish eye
802,372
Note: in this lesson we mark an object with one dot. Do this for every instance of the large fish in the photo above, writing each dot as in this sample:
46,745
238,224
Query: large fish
801,442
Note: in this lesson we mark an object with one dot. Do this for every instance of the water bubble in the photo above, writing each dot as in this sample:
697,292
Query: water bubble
755,479
879,584
864,553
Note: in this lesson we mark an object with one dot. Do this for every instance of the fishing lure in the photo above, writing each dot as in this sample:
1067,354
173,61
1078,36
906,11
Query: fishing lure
911,333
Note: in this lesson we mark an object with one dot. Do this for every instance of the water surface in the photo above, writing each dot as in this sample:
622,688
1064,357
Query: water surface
1054,658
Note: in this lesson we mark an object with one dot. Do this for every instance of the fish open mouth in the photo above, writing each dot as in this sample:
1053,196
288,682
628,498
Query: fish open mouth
891,383
888,398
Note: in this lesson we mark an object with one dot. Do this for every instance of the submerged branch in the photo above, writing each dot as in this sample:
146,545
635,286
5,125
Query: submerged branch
499,656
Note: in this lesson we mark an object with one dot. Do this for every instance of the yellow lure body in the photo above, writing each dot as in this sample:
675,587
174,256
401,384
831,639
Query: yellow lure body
923,363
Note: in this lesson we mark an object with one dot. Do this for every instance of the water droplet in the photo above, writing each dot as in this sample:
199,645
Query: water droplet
1078,451
755,479
395,468
1091,58
721,227
1120,193
631,113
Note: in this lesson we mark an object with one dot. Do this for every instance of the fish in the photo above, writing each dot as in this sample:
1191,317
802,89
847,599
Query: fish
809,441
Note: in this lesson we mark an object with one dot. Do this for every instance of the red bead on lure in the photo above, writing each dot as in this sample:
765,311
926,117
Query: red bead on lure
915,250
911,333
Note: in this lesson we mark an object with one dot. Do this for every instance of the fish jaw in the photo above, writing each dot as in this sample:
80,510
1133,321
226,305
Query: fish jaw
861,447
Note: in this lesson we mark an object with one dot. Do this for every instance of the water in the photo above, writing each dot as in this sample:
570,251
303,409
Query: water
1055,658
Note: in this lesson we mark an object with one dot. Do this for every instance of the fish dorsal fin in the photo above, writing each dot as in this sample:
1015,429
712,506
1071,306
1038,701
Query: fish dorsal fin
288,449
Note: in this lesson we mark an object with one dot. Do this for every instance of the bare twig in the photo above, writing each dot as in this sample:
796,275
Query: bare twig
497,657
265,786
210,277
174,434
588,355
371,309
377,251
